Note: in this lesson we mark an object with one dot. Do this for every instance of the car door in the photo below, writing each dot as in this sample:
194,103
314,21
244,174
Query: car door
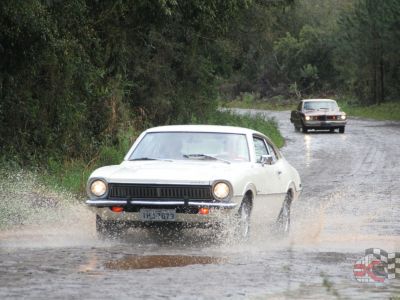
268,181
268,178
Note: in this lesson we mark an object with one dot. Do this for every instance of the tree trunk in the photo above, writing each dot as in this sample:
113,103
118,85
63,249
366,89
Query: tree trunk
382,87
374,85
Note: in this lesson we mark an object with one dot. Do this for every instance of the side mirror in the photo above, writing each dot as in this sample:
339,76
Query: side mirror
266,159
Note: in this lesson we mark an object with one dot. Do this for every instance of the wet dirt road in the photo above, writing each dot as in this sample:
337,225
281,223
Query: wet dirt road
351,202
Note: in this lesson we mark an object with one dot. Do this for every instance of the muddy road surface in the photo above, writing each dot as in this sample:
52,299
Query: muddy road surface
351,202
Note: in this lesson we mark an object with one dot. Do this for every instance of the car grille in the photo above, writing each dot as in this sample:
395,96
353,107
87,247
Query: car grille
144,191
325,118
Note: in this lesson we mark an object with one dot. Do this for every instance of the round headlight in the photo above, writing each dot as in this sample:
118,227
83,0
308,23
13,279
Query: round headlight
98,188
343,117
308,118
221,190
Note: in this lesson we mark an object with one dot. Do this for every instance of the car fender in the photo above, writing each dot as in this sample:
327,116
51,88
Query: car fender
249,187
295,190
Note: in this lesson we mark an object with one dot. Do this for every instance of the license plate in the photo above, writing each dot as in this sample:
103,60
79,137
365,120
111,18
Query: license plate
157,215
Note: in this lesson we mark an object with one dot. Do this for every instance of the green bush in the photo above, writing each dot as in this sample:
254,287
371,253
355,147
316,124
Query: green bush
257,122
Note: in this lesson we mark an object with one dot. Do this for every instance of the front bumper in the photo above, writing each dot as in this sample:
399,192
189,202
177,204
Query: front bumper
218,210
324,124
108,203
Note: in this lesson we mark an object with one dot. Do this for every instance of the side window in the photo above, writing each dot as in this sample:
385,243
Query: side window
260,148
272,152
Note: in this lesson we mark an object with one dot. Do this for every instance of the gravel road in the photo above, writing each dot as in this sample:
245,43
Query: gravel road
351,202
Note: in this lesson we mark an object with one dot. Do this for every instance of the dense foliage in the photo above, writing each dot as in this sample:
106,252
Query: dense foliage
73,73
368,56
324,48
76,75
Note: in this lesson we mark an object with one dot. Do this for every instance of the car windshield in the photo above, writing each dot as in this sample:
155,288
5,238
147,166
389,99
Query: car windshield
320,105
205,146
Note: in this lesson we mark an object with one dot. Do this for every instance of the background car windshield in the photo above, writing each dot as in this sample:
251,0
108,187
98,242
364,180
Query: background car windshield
175,145
315,105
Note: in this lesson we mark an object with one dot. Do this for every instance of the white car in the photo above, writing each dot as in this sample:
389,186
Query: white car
196,175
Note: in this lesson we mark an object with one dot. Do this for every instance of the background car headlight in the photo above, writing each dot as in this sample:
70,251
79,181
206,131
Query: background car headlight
98,188
221,190
343,117
308,118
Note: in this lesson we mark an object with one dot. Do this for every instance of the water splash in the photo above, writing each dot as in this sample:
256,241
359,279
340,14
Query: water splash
33,215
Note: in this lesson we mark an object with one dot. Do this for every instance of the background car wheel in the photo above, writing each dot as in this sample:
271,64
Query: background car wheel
303,127
243,224
283,221
331,130
341,130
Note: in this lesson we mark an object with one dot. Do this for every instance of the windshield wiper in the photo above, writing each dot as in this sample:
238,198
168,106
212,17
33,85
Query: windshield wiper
204,156
149,158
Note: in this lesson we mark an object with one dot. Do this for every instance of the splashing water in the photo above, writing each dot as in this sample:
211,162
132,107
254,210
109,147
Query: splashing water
33,215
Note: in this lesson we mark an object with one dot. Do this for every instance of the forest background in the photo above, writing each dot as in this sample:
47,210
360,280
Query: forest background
80,79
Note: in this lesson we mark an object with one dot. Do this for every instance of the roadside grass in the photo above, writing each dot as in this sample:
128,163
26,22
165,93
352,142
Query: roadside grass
71,175
384,111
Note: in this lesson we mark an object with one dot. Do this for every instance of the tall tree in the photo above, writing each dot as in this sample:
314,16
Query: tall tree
368,54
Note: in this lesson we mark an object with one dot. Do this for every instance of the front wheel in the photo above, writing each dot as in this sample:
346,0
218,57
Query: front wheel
304,128
341,130
243,217
283,221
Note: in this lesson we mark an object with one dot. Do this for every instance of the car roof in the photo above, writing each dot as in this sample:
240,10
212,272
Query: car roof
204,128
315,100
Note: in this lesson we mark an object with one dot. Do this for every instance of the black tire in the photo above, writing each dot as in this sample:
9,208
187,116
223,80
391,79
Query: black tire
304,127
242,231
283,220
331,130
341,130
296,128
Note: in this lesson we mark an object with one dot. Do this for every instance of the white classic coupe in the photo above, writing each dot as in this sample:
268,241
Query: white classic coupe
196,175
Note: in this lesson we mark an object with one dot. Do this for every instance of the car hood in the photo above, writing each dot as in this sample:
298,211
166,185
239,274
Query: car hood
170,172
323,112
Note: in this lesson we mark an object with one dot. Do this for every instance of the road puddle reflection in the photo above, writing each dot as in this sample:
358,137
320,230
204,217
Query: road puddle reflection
161,261
308,155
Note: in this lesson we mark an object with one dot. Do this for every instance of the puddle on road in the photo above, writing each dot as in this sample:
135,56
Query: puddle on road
161,261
